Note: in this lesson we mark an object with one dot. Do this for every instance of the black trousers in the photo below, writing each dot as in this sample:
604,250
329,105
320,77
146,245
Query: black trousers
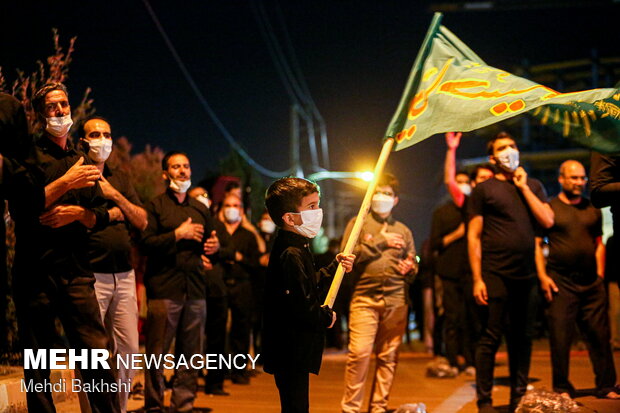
461,324
293,387
215,329
587,305
511,311
39,299
240,305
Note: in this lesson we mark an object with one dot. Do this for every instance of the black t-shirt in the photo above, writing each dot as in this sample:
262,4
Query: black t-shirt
605,185
509,228
452,260
572,239
110,248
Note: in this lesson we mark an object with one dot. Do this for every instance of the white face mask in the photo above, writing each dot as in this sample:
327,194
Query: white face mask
180,187
100,149
508,159
382,204
311,221
464,188
232,214
58,126
267,226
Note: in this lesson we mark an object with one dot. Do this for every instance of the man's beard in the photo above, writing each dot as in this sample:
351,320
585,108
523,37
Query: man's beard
571,195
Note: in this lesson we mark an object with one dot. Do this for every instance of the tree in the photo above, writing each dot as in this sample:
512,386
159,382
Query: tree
55,69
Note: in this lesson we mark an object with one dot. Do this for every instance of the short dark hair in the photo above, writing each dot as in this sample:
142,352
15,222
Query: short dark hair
474,173
501,135
285,195
387,179
38,99
168,155
81,133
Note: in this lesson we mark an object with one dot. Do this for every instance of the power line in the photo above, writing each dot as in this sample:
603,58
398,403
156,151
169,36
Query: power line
233,143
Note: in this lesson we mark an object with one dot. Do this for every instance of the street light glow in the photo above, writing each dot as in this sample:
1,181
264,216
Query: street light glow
366,176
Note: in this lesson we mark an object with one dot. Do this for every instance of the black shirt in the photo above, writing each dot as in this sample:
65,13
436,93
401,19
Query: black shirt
572,239
57,251
452,262
215,276
174,269
110,248
294,321
244,242
605,185
509,228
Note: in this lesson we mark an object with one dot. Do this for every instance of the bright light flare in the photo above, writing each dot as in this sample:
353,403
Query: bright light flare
366,176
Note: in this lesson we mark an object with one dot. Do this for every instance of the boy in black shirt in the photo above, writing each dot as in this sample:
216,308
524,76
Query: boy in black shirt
504,213
294,319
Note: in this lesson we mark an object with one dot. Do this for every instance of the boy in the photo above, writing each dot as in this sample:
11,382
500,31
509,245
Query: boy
294,319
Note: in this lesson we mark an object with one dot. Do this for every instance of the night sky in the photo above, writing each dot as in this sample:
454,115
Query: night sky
355,55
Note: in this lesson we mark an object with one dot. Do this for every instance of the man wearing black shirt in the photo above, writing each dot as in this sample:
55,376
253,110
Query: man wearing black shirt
448,238
240,260
572,282
452,266
110,249
52,275
179,231
605,187
504,213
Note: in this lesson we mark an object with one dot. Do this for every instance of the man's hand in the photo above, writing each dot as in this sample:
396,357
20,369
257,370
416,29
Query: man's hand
548,286
212,244
238,256
453,139
405,266
264,260
109,192
189,230
206,263
480,292
81,176
116,214
392,239
346,261
61,215
520,178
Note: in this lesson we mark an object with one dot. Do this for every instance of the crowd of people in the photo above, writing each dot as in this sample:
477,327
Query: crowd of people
216,283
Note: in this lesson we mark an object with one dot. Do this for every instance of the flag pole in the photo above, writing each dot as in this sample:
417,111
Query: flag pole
359,221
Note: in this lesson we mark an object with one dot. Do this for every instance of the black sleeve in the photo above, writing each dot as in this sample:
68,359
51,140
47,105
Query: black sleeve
604,179
152,241
300,298
539,190
129,191
475,206
25,195
98,205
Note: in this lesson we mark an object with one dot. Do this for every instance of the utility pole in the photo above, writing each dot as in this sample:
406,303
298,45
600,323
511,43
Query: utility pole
295,158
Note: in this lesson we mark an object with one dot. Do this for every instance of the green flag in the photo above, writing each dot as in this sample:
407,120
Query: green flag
450,89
